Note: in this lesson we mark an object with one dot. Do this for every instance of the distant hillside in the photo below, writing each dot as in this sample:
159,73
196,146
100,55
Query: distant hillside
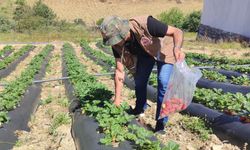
92,10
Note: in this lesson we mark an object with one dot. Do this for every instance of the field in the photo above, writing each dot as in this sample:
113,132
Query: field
40,109
51,120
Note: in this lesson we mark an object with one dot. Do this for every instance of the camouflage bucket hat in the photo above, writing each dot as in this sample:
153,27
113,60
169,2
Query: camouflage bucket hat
114,30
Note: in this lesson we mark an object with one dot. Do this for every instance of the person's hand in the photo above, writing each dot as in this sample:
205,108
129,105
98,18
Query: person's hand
117,103
179,55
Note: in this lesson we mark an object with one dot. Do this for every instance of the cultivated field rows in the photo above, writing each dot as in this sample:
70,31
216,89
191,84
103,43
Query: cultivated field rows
50,122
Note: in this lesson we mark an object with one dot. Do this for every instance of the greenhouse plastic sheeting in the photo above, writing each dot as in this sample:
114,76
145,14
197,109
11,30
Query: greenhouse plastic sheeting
227,15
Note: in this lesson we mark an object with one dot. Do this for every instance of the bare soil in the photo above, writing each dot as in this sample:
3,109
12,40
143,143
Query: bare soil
39,137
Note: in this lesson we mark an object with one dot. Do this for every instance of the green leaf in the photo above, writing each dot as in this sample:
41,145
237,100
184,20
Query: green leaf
172,146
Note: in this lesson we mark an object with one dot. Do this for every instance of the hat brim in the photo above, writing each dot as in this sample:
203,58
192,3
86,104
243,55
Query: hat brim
118,38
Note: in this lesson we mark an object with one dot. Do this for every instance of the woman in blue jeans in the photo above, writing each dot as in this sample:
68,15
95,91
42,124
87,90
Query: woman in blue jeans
151,42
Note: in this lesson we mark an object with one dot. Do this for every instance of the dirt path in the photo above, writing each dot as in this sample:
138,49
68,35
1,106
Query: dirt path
174,129
50,125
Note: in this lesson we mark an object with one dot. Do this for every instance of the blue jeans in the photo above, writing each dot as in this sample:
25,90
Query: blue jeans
145,65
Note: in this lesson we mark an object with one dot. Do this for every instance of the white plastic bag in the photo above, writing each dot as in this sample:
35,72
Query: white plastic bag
180,90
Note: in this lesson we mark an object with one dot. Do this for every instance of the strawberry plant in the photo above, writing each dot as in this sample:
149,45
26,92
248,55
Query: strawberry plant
213,75
11,95
241,80
193,62
216,76
3,117
153,79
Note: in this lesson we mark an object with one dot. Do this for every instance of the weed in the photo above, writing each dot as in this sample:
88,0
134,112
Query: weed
246,54
18,143
196,125
58,120
46,101
50,112
63,102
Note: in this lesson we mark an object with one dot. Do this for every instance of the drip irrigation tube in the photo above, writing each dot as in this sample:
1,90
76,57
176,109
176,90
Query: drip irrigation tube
61,78
21,115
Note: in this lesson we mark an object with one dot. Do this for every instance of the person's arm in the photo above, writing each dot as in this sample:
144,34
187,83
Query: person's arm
158,29
119,78
177,34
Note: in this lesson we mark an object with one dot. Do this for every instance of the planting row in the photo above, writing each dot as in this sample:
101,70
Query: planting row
215,99
108,60
235,104
12,93
14,56
217,60
6,51
216,76
241,69
113,121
